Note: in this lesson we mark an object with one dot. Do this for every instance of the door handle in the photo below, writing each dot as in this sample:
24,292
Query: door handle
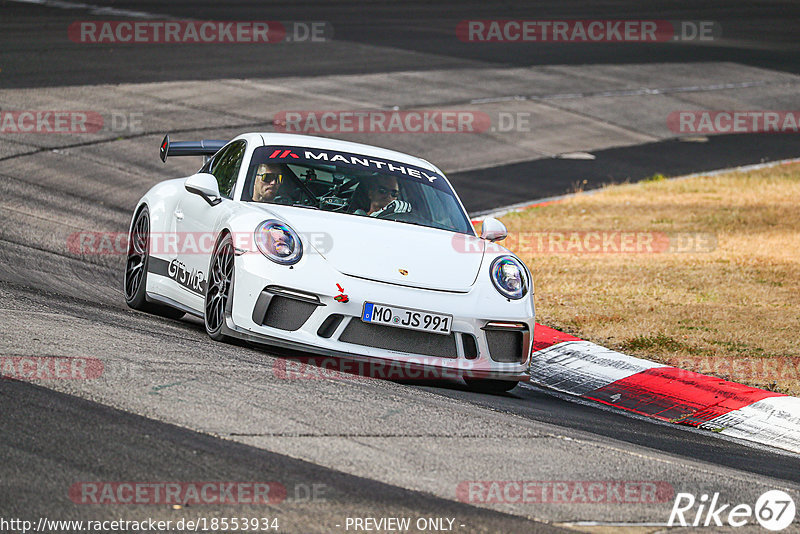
179,214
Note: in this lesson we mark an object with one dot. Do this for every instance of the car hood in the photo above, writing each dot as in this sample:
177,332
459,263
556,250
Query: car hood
383,250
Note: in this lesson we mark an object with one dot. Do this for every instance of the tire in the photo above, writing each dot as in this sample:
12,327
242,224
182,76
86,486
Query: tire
219,288
135,283
480,385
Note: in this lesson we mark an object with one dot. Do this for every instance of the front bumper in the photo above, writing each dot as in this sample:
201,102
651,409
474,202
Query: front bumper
295,308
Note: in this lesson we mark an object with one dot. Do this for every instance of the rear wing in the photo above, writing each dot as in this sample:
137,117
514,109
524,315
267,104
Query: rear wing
207,147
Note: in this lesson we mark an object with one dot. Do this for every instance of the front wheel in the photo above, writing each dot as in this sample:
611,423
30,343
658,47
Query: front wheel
481,385
219,289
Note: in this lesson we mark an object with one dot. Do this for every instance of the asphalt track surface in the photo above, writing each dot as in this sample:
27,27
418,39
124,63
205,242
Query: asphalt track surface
172,406
108,444
550,177
389,35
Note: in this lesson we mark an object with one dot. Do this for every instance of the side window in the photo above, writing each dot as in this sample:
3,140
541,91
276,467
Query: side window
225,167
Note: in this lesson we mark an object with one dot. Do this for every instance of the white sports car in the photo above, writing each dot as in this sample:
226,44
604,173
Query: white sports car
333,248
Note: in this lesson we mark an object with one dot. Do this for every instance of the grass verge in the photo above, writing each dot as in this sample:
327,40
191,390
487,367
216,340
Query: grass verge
701,273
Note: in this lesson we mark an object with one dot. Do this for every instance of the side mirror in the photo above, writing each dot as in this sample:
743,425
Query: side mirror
206,186
493,230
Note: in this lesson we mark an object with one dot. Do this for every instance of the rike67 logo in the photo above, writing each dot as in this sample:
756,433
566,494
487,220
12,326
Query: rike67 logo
774,510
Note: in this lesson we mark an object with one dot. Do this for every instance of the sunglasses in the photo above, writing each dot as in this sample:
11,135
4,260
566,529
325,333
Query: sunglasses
386,191
269,177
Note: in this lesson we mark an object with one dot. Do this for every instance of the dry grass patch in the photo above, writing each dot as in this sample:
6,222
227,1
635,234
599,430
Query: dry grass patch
731,308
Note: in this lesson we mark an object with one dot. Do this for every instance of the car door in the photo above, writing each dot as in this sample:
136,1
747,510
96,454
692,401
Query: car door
196,221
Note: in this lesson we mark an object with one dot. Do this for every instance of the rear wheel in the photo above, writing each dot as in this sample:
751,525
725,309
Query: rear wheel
490,386
136,269
219,289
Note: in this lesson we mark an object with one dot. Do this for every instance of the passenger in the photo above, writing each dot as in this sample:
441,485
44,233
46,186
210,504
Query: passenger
382,194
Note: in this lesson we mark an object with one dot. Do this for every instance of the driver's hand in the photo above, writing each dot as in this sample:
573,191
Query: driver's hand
395,206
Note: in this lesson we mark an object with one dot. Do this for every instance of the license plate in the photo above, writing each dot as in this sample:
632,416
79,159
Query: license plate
411,319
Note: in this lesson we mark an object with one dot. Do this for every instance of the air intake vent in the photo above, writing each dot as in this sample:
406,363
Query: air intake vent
399,339
505,346
329,325
287,313
470,346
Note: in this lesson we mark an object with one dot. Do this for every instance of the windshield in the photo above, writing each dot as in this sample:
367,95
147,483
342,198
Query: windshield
353,184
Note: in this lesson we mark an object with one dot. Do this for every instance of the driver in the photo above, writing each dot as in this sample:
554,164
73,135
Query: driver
267,180
382,194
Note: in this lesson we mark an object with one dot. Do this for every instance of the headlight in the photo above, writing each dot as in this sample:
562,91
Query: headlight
278,242
509,277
